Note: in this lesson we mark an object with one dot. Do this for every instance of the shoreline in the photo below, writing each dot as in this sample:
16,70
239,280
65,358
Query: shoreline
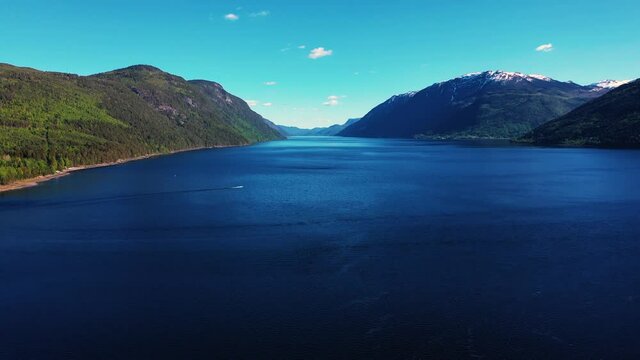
31,182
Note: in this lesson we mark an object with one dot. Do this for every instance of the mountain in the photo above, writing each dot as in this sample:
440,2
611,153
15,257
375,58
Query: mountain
608,84
319,131
490,104
612,120
293,131
51,121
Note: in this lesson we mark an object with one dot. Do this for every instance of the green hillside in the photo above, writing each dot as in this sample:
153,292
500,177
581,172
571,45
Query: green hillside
51,121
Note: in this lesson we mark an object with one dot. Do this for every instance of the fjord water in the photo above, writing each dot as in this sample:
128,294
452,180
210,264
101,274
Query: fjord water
328,247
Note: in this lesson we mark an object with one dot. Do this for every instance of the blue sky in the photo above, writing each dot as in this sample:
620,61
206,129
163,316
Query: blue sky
261,50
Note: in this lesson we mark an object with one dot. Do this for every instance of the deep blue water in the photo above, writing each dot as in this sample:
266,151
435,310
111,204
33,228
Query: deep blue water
333,247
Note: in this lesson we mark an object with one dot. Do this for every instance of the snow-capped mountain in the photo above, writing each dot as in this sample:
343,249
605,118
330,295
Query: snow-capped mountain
504,76
515,77
608,84
489,104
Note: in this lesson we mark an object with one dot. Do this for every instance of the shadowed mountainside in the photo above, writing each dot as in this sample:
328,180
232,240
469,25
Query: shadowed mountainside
491,104
612,120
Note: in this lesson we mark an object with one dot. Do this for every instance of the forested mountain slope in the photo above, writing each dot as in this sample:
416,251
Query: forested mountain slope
51,121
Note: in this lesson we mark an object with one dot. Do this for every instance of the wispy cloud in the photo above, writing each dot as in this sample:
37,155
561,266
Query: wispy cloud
320,52
232,17
251,103
302,47
267,104
545,47
332,100
271,83
262,13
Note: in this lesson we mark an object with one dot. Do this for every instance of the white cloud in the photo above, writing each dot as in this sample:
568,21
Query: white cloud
302,47
332,100
545,47
320,52
232,17
271,83
267,104
262,13
252,103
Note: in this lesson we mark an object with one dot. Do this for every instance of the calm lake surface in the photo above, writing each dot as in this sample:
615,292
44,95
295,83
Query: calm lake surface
328,247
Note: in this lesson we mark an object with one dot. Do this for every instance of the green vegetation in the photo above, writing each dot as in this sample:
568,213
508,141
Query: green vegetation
51,121
612,120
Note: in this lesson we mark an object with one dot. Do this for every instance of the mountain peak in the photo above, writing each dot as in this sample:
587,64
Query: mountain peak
134,69
504,76
143,67
608,84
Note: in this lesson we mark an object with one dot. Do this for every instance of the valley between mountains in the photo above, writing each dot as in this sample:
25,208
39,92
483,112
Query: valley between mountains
50,122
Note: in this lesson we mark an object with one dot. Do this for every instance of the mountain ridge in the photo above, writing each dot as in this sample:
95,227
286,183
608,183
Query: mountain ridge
489,104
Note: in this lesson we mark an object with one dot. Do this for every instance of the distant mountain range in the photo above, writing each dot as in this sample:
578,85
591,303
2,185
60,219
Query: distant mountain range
612,120
490,104
51,121
319,131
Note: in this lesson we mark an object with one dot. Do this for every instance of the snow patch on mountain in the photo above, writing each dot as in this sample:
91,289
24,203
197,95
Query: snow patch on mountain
504,76
478,80
404,96
540,77
608,84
